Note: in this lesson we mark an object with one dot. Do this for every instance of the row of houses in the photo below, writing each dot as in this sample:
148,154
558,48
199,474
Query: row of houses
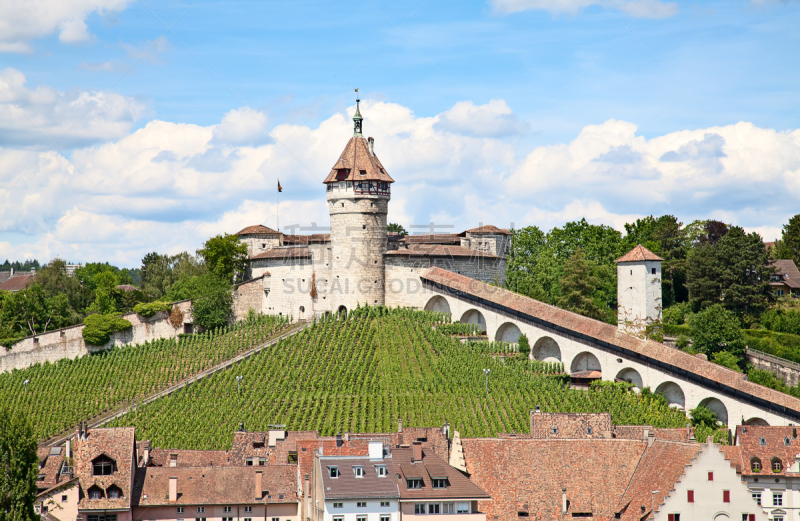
568,466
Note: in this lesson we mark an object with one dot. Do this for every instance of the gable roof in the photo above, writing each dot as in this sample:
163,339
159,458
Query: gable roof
118,444
17,282
356,158
347,485
439,250
788,272
608,336
639,254
749,440
259,229
432,466
283,253
487,229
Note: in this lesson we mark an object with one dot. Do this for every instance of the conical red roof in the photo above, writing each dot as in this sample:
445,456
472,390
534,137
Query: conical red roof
356,159
638,254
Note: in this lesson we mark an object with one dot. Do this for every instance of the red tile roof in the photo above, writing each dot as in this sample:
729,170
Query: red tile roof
638,254
603,333
307,239
189,458
356,159
432,466
127,288
441,238
767,443
117,444
283,253
347,485
258,229
788,272
488,229
439,250
16,283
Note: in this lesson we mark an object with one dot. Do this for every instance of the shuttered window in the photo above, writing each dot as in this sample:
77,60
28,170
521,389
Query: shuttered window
690,496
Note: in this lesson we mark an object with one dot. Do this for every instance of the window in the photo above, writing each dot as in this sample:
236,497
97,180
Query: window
763,441
726,496
101,517
777,499
462,507
414,483
690,496
263,461
180,510
673,517
757,497
95,493
114,492
226,509
199,519
337,505
777,465
63,499
279,519
249,462
384,503
201,510
777,518
248,519
385,517
787,441
335,518
361,504
227,519
711,476
361,518
381,469
439,483
103,466
419,508
359,471
433,508
334,472
653,271
247,510
362,172
448,508
755,465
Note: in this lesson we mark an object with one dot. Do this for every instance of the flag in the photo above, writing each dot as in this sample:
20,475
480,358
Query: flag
280,189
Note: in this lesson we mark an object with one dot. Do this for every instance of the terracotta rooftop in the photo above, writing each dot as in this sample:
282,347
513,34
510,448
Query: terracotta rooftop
432,466
442,238
487,229
439,250
356,159
16,283
188,458
283,253
307,239
608,336
258,229
766,444
216,485
638,254
115,443
127,288
347,485
788,272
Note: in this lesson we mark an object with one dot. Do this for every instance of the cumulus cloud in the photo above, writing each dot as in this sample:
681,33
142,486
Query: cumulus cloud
494,119
169,186
41,116
22,22
635,8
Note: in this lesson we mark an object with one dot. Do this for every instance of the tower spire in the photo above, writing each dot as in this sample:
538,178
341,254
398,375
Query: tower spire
357,119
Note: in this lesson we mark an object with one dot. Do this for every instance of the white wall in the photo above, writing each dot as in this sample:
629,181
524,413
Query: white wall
349,510
639,292
767,486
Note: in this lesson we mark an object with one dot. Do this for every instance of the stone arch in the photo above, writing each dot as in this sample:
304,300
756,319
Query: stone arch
585,361
302,312
722,516
342,311
546,350
755,421
438,303
673,393
631,375
473,316
508,332
718,407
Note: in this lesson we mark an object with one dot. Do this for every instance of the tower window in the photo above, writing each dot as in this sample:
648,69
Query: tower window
363,226
342,205
653,271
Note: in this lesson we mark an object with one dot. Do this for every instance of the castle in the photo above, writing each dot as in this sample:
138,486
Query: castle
358,262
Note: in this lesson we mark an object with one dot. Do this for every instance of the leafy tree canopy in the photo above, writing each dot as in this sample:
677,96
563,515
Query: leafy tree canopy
577,288
160,272
717,329
89,273
225,256
99,328
212,300
394,227
702,416
789,245
19,466
29,311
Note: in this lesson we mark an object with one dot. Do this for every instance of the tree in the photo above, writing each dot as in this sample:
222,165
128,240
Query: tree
99,328
19,466
54,281
666,237
717,329
225,256
29,311
577,288
790,241
89,273
212,299
703,416
160,272
524,346
394,227
530,267
106,293
729,360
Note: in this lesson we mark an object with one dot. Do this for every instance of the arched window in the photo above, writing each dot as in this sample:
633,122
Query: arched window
787,441
763,441
755,465
114,492
95,492
777,465
103,466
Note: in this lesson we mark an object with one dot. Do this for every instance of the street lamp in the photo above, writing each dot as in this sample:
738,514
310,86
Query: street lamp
25,383
239,384
486,372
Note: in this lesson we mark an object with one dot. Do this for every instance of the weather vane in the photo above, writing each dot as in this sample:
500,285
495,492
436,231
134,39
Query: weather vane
357,100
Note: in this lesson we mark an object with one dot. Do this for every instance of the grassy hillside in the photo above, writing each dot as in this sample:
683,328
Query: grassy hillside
365,373
60,395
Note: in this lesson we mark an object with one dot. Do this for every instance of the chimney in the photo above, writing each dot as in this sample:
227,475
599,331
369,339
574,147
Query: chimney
12,271
146,456
400,425
79,428
68,451
173,460
85,430
375,450
259,491
416,451
651,437
173,489
371,142
538,410
564,501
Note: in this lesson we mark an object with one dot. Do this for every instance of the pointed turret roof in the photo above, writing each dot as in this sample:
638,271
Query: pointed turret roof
639,254
356,158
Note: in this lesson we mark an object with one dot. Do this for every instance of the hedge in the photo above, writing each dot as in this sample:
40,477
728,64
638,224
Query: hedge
673,330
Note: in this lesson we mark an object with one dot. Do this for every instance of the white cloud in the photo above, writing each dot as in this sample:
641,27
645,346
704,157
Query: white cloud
494,119
24,21
635,8
41,116
243,126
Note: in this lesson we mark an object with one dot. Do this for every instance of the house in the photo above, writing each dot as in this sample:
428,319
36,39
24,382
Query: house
17,280
786,280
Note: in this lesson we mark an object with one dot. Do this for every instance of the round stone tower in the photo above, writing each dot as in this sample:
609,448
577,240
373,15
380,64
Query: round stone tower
358,190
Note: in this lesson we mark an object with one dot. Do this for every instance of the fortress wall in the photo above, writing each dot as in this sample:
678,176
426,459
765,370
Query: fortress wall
403,285
68,342
248,295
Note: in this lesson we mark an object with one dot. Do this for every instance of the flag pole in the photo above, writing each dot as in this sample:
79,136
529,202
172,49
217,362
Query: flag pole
278,209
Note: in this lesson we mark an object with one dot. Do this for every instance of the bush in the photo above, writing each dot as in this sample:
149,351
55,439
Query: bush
728,360
524,345
148,309
716,329
677,314
783,345
99,328
782,320
766,379
682,342
672,330
703,416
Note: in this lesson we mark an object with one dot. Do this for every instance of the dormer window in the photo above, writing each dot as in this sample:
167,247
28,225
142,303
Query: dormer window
114,492
787,441
358,471
755,465
362,172
103,466
95,492
439,482
763,441
333,472
555,430
413,483
777,465
381,470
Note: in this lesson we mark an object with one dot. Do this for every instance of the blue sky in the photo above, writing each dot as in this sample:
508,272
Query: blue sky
128,127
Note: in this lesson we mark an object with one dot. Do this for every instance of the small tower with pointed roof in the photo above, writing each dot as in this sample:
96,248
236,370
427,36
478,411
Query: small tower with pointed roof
358,193
638,289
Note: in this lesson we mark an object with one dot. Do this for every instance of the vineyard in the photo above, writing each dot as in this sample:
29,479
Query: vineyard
58,396
364,373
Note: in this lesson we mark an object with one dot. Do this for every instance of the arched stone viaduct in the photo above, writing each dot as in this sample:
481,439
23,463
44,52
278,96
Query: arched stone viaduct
581,343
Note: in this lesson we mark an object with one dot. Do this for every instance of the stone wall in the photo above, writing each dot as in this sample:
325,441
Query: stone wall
248,295
784,369
68,342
